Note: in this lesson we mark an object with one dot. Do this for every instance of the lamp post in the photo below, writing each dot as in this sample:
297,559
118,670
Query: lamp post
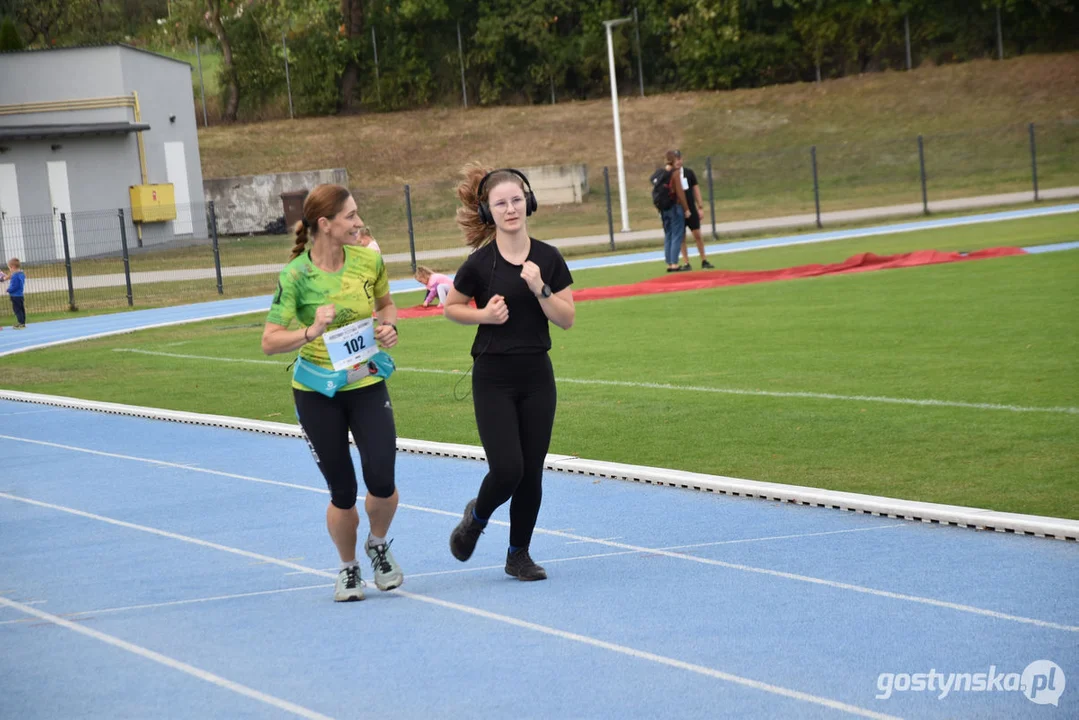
617,126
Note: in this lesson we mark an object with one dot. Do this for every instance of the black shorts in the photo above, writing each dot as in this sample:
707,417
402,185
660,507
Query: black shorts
326,421
693,222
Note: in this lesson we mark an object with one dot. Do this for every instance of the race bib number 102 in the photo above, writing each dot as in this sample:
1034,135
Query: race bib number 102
352,344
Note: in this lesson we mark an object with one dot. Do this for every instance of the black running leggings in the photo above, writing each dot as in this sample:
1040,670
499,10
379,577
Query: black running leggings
514,398
326,421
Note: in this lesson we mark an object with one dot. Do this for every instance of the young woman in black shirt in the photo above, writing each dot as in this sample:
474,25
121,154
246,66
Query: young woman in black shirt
520,285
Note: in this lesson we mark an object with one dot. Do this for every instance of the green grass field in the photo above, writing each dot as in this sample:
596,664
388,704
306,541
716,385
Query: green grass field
274,250
679,380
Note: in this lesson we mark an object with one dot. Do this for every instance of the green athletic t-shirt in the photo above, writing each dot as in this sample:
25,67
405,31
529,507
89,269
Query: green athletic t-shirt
302,288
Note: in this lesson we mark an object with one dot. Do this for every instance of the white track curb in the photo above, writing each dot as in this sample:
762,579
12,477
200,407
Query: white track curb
981,519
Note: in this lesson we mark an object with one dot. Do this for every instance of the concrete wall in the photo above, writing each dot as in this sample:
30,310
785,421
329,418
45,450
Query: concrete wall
558,184
248,203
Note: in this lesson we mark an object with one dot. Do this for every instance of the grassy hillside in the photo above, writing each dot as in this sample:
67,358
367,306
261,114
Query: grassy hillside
974,118
416,146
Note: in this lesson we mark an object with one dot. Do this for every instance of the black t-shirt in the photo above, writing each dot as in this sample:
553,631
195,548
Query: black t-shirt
691,180
486,273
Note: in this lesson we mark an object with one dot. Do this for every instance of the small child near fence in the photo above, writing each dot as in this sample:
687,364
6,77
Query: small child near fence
436,283
16,280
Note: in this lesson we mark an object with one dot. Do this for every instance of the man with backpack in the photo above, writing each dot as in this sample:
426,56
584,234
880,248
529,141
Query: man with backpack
670,199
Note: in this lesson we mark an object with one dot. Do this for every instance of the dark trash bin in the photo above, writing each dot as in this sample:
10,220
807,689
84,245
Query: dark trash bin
293,202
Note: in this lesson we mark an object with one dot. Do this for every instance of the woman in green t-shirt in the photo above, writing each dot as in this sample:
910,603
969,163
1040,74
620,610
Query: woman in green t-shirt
333,282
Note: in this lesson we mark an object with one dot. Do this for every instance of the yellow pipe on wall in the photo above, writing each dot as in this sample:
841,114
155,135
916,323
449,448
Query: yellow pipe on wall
138,137
58,105
102,103
91,104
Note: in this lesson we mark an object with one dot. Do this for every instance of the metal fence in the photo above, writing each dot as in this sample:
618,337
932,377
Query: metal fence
96,260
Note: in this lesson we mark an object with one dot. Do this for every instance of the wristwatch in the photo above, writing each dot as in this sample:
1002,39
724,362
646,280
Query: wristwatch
546,291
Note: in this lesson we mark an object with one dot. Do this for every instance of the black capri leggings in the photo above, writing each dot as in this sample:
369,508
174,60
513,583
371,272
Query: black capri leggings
326,421
514,397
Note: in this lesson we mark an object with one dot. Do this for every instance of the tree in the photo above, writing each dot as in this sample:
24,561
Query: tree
228,67
353,30
44,19
9,36
818,30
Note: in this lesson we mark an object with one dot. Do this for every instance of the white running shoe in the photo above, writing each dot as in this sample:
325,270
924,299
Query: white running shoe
388,573
349,586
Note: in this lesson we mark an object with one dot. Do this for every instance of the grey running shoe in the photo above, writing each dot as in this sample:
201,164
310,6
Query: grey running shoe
388,573
519,564
464,537
349,586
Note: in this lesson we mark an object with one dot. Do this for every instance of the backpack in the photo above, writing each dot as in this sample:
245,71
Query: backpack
662,197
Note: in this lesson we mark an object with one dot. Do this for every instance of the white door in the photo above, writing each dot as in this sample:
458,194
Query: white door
61,203
176,171
10,216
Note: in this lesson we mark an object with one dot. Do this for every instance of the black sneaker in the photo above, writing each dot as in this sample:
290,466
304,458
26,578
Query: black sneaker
464,537
705,265
686,268
519,564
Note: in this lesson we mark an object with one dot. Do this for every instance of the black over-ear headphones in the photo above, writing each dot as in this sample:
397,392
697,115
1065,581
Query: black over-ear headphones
485,211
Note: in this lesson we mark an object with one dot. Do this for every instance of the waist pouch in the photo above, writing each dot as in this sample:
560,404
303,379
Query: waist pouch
328,382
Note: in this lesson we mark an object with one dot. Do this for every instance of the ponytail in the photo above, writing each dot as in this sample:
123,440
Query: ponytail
301,240
324,201
476,232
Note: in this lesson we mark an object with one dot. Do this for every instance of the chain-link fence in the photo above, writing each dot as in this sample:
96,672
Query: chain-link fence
101,259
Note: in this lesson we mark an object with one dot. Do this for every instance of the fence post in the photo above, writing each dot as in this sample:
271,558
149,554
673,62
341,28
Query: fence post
816,185
711,195
1034,161
378,79
67,264
640,59
217,249
607,191
127,258
921,171
1000,37
202,83
461,57
288,78
906,31
411,234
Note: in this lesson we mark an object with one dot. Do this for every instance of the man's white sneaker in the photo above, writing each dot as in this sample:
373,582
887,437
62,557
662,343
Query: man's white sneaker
349,585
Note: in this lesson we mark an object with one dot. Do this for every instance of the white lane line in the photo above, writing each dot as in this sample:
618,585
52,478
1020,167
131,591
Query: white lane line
174,603
691,388
30,412
168,662
505,619
827,583
610,543
578,542
181,356
164,463
596,556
